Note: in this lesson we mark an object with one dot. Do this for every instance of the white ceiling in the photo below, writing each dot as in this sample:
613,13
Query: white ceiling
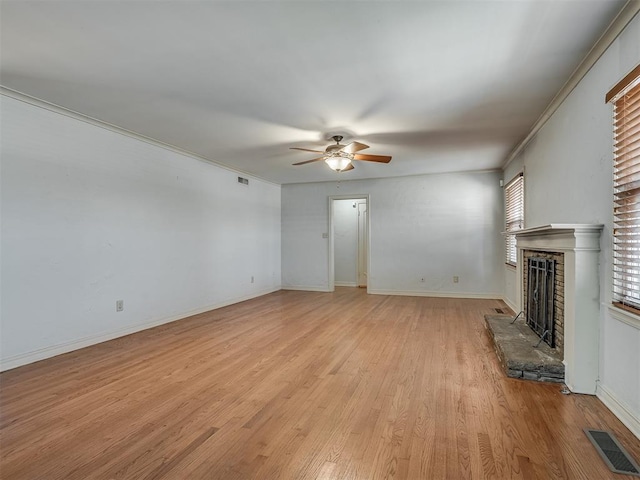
441,86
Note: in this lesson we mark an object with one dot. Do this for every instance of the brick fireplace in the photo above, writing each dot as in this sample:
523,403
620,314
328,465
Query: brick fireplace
574,248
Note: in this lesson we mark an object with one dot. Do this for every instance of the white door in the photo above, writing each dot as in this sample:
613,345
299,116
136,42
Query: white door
362,243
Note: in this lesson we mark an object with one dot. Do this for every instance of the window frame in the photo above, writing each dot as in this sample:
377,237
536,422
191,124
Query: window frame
515,222
625,270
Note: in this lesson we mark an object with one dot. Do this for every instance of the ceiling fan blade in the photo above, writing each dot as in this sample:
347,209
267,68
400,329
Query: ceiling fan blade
306,150
349,167
372,158
310,161
354,147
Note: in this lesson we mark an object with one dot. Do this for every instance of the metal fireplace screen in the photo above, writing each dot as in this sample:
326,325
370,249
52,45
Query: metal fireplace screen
540,297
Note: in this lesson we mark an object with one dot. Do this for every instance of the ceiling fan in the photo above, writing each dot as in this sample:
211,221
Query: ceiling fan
339,157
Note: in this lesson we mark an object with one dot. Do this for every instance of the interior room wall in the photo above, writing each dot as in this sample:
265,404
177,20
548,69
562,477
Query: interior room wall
91,216
568,179
430,227
345,246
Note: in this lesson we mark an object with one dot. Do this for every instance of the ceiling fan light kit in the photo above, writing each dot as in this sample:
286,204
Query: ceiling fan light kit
340,157
338,163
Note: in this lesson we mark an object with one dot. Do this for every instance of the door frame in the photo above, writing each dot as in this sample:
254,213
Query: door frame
332,273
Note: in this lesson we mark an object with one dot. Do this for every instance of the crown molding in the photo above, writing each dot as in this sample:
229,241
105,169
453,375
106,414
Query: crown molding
52,107
615,28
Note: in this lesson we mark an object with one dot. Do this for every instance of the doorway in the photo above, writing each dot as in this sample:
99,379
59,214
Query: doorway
349,241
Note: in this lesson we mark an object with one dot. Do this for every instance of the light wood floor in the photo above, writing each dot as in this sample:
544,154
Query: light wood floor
299,385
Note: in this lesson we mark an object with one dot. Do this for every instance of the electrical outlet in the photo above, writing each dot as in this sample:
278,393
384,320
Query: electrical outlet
422,280
325,235
119,305
455,279
251,278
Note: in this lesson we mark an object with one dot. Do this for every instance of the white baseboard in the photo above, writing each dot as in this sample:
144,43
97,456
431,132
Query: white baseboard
66,347
305,288
345,284
419,293
509,304
620,409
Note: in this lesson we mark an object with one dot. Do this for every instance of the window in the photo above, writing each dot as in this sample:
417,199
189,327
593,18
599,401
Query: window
514,215
626,191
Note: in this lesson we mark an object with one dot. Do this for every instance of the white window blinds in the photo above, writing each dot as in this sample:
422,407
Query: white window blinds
514,215
626,193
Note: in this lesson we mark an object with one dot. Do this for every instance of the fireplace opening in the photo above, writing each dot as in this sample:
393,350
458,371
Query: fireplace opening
540,298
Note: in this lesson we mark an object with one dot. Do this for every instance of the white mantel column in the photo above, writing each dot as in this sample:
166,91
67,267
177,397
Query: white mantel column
581,246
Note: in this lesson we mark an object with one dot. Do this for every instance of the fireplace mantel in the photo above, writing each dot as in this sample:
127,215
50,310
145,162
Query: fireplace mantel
562,236
580,244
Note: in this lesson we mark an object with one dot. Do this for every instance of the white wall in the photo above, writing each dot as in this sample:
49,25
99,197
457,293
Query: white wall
429,226
568,179
90,216
345,246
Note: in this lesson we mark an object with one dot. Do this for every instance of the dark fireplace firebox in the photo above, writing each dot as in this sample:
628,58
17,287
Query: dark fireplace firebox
540,298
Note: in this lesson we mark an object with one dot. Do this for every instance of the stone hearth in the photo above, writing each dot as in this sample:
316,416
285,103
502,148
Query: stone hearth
514,344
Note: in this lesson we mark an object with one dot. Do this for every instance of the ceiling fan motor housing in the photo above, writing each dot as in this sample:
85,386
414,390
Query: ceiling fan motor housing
336,150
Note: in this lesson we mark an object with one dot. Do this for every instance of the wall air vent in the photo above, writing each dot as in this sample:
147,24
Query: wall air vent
244,181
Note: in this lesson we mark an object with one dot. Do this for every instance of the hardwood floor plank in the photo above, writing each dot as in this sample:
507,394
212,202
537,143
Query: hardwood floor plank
299,385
